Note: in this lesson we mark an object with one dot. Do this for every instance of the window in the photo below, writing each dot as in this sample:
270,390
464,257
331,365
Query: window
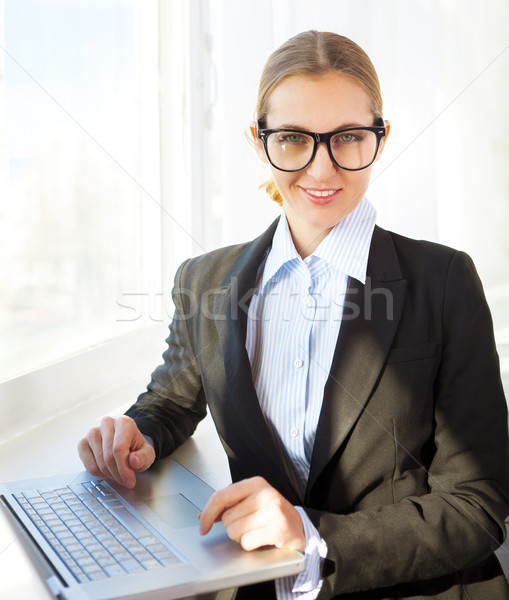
80,217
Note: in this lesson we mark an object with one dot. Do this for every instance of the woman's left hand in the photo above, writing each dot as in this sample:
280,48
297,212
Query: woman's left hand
255,515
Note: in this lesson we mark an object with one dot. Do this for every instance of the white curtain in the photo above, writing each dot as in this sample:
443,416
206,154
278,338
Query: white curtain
444,71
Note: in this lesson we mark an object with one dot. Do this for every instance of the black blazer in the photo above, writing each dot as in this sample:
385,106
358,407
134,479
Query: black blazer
409,478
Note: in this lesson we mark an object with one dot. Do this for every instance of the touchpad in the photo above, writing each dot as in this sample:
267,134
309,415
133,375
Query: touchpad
175,509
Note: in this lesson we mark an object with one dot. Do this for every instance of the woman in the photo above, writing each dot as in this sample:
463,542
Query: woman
351,373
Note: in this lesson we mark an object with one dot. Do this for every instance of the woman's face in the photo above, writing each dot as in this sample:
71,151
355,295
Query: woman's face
319,104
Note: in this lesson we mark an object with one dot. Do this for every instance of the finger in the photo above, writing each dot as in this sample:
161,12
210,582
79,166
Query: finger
225,499
217,504
109,452
259,537
238,528
269,528
87,458
140,460
124,442
210,514
95,442
261,498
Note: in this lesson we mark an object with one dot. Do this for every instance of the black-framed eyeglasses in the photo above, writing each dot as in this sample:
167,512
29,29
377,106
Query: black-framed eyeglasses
352,148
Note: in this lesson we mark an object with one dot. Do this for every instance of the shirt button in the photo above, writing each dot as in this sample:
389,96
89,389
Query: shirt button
298,363
294,432
307,300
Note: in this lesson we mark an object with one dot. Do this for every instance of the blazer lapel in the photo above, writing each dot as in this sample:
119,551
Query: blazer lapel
371,317
231,303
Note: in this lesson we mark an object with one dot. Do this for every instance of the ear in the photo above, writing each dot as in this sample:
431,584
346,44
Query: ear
384,139
387,129
258,144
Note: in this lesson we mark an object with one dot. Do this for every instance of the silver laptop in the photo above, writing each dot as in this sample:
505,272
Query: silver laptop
94,540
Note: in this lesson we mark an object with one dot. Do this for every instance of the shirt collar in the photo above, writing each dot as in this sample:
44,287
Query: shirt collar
345,249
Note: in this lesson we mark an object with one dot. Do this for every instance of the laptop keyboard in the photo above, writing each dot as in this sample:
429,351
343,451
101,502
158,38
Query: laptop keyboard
94,535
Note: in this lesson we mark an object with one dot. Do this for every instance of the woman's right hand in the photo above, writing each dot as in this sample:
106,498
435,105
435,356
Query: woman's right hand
116,450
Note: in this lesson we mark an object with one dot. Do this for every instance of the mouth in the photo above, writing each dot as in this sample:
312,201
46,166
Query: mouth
320,196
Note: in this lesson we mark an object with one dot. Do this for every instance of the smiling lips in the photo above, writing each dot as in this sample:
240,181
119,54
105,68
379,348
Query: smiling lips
321,196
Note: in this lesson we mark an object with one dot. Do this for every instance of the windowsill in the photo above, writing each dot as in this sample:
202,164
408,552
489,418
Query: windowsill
52,447
57,389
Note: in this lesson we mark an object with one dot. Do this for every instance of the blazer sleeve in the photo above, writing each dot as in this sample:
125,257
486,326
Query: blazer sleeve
460,521
174,402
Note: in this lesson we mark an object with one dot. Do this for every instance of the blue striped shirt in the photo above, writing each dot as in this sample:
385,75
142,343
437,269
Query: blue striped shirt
293,324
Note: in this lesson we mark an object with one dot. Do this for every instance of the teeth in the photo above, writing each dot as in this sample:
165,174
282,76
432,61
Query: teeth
321,193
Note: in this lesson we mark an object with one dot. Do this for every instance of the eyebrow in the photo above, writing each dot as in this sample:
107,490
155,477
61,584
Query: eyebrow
302,128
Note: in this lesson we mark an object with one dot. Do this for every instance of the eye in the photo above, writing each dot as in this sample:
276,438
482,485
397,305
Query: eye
292,138
347,138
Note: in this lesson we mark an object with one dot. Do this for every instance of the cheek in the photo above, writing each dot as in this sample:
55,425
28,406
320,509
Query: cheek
283,180
358,180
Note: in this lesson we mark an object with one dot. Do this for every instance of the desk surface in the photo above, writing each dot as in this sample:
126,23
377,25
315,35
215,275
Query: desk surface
50,449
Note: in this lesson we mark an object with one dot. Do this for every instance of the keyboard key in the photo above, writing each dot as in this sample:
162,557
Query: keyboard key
115,569
130,521
76,571
31,494
87,563
142,555
132,566
123,555
80,555
88,485
171,559
133,546
48,495
148,540
65,556
74,547
106,561
72,522
98,575
151,563
60,528
102,489
86,540
166,557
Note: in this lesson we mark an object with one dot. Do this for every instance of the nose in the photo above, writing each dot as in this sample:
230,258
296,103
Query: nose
321,167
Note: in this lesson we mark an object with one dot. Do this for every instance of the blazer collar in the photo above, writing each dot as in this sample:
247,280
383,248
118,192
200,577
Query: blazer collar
231,304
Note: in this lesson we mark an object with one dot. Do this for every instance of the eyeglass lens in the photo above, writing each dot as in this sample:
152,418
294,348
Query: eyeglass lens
353,149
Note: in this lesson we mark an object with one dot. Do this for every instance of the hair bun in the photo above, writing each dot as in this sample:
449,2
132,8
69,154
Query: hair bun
272,191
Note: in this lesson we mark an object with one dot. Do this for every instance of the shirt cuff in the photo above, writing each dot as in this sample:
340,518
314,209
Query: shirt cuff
306,585
148,439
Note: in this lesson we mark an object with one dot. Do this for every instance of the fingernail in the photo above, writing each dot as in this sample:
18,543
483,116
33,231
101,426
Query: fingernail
130,483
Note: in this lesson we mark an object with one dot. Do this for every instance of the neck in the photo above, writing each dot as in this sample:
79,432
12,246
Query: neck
306,240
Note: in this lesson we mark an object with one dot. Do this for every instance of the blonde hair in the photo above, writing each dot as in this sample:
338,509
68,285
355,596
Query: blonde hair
316,53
